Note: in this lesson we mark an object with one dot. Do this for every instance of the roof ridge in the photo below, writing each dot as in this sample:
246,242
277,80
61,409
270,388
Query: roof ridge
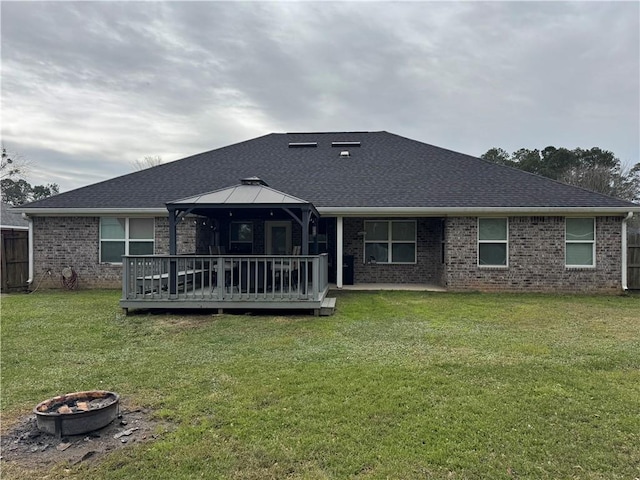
329,133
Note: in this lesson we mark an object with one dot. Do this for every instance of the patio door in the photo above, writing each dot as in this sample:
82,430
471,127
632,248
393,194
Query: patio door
278,238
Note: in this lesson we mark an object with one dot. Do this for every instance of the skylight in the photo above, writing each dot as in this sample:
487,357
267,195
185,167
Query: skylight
345,144
303,144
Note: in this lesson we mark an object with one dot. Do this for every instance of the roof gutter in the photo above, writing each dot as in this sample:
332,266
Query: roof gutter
15,227
93,212
455,211
353,211
625,287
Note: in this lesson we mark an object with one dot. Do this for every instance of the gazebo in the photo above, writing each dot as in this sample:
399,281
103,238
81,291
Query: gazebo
277,276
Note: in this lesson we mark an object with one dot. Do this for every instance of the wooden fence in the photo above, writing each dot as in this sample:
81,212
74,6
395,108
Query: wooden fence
14,253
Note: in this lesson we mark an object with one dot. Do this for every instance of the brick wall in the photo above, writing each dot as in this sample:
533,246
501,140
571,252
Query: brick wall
185,236
61,242
427,269
536,254
536,257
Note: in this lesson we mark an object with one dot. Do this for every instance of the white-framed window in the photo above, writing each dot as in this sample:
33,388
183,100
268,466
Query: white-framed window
493,242
125,236
580,242
241,237
390,241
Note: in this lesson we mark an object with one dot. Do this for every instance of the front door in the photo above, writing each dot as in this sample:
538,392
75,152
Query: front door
278,238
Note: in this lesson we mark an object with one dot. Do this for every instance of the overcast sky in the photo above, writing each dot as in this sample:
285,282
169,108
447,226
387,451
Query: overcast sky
90,87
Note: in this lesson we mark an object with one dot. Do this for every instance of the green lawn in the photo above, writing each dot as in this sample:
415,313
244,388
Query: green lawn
394,385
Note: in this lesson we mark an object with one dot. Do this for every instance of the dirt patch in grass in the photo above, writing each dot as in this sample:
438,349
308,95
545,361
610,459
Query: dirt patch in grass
25,445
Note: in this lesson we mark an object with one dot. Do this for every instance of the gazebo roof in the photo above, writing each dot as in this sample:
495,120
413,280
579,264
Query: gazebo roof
252,192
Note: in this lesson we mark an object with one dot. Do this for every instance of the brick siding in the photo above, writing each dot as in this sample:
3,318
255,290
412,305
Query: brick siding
61,242
427,269
536,254
536,257
185,236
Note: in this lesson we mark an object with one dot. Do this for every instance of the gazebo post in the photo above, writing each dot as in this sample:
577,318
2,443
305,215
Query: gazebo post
173,267
314,234
172,231
306,216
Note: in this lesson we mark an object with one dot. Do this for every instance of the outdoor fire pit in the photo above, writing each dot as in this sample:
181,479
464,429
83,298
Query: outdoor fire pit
77,413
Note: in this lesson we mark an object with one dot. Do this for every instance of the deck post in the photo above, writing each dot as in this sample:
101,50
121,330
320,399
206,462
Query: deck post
315,278
126,275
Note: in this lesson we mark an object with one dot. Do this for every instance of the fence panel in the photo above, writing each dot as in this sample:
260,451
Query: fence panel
15,260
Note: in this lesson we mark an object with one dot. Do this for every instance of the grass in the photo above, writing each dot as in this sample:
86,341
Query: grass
394,385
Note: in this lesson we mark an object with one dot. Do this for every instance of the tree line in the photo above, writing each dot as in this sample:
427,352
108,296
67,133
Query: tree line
16,190
594,169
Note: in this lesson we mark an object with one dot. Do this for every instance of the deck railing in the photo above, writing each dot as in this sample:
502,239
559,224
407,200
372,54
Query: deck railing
225,278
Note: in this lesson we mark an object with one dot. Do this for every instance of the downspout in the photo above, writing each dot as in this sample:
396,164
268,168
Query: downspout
27,217
625,287
339,251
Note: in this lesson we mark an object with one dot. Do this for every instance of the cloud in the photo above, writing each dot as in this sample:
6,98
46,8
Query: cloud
100,84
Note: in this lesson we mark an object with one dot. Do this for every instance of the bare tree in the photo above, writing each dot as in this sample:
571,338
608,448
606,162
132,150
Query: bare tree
147,162
617,182
12,166
14,187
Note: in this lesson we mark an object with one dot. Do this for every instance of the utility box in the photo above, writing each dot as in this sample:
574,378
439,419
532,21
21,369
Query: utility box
347,269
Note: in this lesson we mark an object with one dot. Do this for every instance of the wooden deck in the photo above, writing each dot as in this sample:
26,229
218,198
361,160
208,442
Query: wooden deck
224,282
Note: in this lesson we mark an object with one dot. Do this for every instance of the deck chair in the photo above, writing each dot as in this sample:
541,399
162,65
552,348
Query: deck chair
228,266
287,267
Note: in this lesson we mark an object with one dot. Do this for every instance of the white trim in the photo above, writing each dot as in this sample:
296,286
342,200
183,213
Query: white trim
472,211
14,227
339,250
355,211
505,241
31,261
592,242
94,212
126,238
623,261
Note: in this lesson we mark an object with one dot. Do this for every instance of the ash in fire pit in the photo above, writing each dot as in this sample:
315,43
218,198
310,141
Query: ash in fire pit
77,413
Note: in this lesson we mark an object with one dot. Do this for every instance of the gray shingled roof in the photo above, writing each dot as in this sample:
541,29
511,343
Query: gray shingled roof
9,218
386,170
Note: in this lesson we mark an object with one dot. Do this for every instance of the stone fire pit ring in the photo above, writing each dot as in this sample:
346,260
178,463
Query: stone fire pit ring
77,413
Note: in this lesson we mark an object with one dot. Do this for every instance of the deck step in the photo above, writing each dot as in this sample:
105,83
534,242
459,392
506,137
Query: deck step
328,306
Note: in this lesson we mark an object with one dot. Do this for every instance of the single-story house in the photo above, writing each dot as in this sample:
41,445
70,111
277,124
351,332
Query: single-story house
370,207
